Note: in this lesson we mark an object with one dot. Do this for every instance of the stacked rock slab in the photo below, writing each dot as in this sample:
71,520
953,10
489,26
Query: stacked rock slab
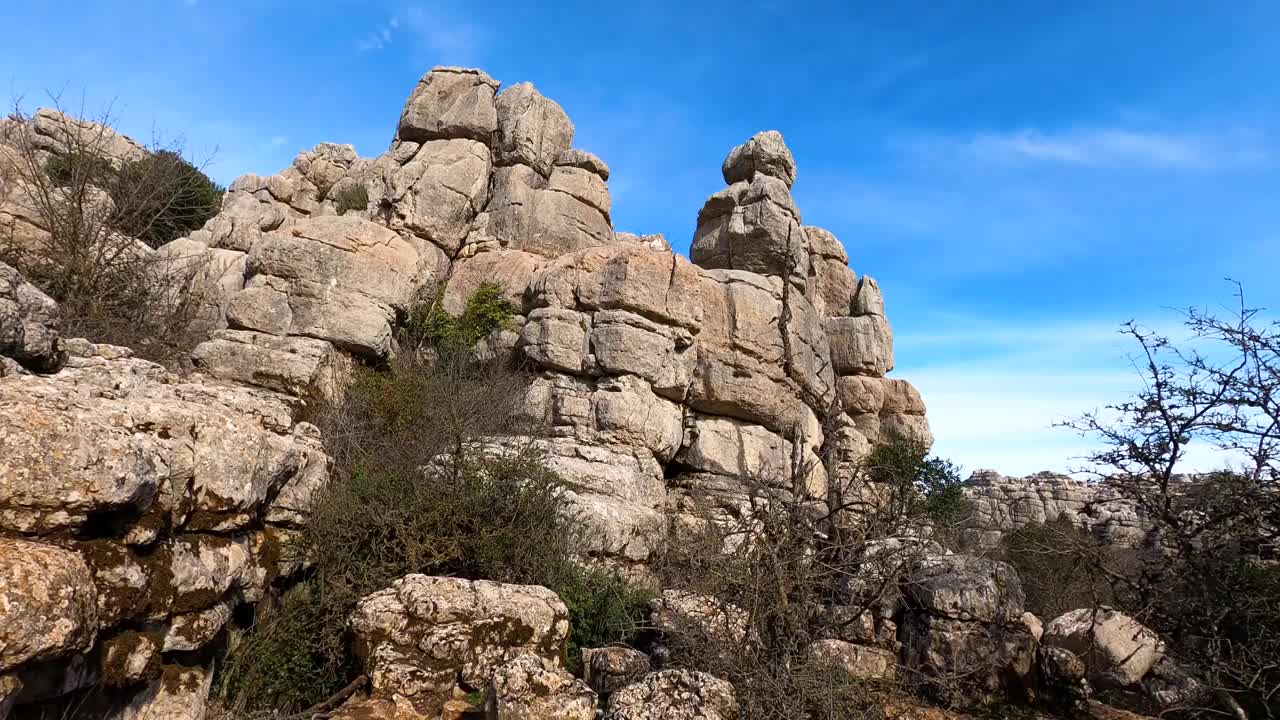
137,511
673,388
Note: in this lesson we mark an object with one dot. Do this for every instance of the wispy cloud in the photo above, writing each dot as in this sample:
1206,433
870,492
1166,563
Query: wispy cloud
380,37
1115,147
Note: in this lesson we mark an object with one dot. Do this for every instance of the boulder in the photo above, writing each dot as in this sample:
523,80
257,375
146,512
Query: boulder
868,300
832,284
764,153
857,661
450,102
343,280
655,241
531,687
860,345
28,324
1117,650
532,130
674,695
423,635
583,160
754,226
60,134
963,587
609,669
48,603
527,213
510,270
682,613
298,366
438,193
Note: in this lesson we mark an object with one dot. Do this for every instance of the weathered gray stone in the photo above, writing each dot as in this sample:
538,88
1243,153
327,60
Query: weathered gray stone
556,339
608,669
576,158
509,269
1117,650
47,603
531,687
868,300
28,324
752,226
526,213
450,102
674,695
860,345
437,194
857,661
422,635
764,153
345,277
532,130
180,693
298,366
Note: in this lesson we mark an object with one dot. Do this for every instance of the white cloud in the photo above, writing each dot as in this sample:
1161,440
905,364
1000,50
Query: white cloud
1121,148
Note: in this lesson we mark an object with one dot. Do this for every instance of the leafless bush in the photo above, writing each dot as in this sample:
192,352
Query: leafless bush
74,202
1204,580
784,571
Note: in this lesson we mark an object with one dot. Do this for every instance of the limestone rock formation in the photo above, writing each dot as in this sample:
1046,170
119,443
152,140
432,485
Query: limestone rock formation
678,390
28,326
609,669
423,635
674,695
1001,505
531,687
1117,651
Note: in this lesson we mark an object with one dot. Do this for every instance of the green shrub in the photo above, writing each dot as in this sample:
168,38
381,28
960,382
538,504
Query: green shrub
162,197
430,325
923,486
436,471
603,609
75,167
351,197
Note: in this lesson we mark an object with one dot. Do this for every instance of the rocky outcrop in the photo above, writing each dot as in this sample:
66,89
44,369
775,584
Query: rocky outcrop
1000,505
674,695
677,391
531,687
28,327
137,510
424,636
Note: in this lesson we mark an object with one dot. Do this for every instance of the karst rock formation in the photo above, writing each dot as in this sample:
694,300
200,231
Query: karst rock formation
141,510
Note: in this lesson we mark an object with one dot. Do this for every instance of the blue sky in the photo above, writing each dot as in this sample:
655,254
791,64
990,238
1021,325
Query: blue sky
1020,177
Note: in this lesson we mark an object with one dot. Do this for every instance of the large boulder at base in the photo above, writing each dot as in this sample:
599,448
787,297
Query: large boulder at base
674,695
532,130
450,102
531,687
48,604
424,636
764,153
28,325
1117,650
962,630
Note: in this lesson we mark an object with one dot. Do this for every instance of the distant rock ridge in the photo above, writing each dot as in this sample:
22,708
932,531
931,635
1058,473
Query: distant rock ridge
1001,505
